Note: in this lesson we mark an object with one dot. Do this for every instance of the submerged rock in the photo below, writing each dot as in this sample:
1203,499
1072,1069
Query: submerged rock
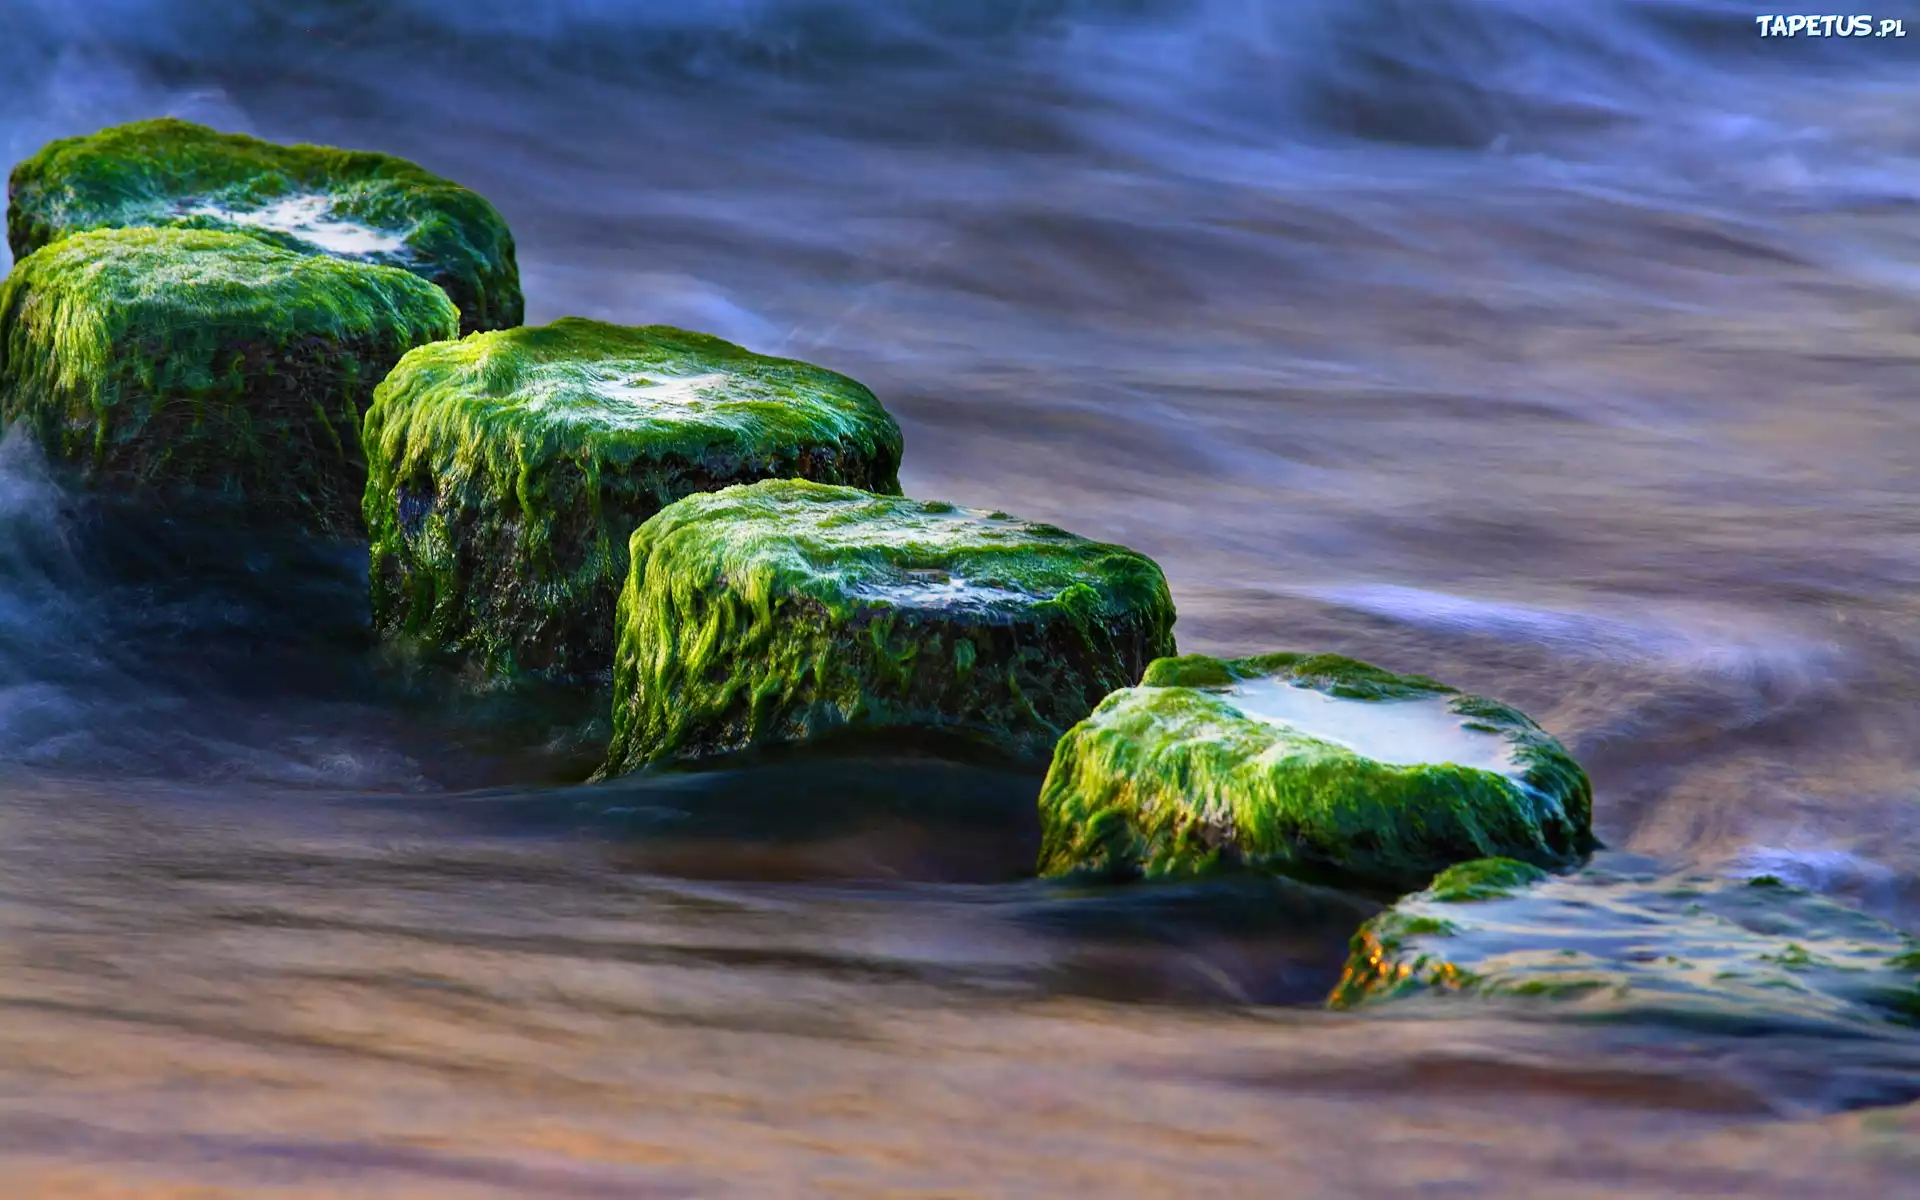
1315,766
352,204
1622,936
787,611
509,470
186,365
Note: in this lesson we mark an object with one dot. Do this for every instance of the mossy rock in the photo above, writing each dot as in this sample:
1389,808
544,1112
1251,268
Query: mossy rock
1624,937
191,367
1315,766
788,612
509,470
353,204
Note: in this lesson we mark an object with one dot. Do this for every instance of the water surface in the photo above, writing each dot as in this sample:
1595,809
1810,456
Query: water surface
1402,732
1563,351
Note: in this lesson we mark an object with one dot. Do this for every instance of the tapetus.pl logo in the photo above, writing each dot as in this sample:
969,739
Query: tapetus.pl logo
1859,26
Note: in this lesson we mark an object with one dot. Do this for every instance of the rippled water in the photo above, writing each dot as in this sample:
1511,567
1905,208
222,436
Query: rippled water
1566,352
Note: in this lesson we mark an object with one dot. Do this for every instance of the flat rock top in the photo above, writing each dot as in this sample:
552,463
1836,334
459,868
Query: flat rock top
346,203
1622,935
848,547
586,380
188,278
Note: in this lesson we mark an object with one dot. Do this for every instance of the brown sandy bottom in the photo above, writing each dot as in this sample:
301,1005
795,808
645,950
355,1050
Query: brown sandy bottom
202,1000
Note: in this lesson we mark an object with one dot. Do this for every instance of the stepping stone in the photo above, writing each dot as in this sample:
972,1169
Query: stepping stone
1314,766
351,204
787,612
509,470
190,367
1626,937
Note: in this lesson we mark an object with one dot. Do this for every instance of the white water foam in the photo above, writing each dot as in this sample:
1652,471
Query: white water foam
1402,732
667,392
939,590
309,218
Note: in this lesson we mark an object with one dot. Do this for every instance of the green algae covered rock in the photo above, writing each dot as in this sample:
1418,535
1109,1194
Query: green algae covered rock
788,611
509,470
1624,937
1315,766
188,365
353,204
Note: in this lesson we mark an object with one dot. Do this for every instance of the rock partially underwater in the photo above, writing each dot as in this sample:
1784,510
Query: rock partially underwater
788,611
352,204
509,471
1623,938
1315,766
191,367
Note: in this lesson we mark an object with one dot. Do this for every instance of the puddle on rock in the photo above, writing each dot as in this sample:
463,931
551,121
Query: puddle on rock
1401,732
309,218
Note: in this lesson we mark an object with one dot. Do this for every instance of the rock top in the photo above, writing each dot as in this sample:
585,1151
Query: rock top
1310,765
183,364
787,611
1624,936
353,204
508,471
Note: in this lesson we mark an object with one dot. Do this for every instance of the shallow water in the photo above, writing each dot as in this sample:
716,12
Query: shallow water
1561,351
939,590
692,399
310,219
658,395
1404,732
1620,935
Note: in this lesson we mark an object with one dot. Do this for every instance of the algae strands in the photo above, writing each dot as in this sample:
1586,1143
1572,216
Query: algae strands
312,199
1309,765
191,366
508,471
787,612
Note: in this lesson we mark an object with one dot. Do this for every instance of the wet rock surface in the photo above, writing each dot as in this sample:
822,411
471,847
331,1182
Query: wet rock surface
208,371
1625,938
1311,765
352,204
786,612
508,472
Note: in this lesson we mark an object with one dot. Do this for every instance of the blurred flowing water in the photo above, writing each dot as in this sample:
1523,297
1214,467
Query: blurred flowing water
1566,351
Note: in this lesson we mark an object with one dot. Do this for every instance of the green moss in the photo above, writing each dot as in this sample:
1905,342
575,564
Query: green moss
1627,942
1903,1004
1333,674
509,470
1188,670
1394,931
1558,989
1185,774
1795,957
312,199
189,365
1483,879
1384,959
788,611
